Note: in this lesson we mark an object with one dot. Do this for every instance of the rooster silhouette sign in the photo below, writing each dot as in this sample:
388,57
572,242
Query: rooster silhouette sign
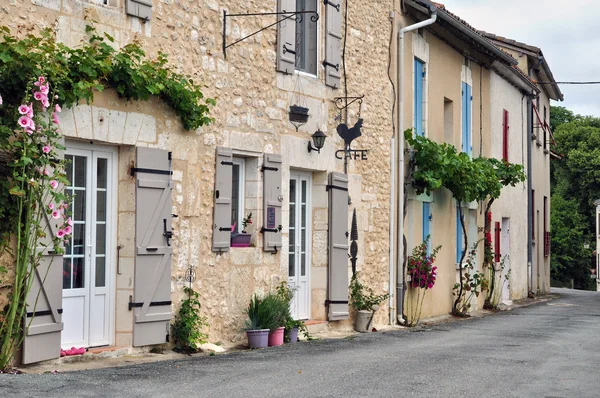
349,134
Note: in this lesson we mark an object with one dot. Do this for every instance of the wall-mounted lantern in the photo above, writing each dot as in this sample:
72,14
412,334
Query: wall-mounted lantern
318,138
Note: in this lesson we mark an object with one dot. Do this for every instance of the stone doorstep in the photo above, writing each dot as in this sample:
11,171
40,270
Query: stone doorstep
315,327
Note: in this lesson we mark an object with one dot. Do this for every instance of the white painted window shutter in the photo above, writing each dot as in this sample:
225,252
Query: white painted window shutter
286,38
333,43
338,246
43,321
153,251
272,202
139,8
223,193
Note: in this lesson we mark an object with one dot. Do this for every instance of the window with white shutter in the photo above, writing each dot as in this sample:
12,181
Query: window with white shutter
43,320
139,8
338,246
333,43
223,193
272,202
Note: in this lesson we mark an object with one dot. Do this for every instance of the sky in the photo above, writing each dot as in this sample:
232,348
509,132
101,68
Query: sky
566,31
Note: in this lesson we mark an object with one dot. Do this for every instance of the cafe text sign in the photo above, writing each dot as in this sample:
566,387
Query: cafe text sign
352,154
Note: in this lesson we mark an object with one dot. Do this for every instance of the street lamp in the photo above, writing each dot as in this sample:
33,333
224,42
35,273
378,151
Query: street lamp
318,138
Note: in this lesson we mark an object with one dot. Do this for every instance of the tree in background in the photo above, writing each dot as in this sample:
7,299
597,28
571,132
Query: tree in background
575,186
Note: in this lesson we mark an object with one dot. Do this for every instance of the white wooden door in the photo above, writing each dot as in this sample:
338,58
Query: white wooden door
300,243
88,259
505,254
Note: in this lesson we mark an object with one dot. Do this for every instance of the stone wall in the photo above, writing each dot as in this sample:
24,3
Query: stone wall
250,117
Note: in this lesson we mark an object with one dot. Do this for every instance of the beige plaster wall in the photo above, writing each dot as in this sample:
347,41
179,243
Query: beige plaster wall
540,161
513,200
444,78
251,117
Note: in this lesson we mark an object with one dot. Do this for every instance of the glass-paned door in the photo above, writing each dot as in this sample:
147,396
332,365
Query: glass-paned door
300,244
87,261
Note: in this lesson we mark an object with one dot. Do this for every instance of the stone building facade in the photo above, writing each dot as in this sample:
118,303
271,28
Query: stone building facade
251,123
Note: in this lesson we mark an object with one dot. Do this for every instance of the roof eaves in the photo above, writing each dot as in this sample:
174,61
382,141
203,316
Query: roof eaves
463,25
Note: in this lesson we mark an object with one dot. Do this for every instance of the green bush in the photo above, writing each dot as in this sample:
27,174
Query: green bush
186,330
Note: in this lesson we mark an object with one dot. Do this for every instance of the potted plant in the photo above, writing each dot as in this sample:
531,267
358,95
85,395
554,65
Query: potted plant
259,322
365,302
280,309
242,239
292,326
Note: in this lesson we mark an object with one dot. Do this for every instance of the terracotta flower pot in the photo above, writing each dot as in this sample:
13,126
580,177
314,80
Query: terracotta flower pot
258,338
276,337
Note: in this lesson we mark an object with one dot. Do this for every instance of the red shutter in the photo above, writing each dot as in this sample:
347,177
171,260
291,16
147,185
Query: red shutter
505,135
497,255
547,244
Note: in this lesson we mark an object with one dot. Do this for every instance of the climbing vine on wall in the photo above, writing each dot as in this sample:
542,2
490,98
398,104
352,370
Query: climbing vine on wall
38,77
432,166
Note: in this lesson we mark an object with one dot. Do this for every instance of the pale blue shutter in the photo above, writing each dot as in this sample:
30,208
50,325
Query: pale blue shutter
459,237
427,224
467,146
469,121
418,97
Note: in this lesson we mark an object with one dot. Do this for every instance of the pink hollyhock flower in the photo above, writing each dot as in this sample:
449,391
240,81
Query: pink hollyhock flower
41,79
51,206
46,149
31,124
29,132
24,121
68,230
53,184
55,118
30,112
57,108
45,103
0,100
70,221
46,172
55,214
39,96
60,233
23,109
44,89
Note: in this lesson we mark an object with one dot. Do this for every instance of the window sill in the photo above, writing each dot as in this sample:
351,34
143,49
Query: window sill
306,74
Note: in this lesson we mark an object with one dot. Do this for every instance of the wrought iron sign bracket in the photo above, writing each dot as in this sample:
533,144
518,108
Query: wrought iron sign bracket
286,15
340,102
332,4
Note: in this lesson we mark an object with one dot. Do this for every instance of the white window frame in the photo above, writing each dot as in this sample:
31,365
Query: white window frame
318,46
241,163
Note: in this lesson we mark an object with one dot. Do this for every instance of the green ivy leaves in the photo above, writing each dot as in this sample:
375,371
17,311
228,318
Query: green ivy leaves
77,73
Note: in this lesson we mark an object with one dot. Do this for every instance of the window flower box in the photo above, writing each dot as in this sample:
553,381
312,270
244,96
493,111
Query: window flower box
240,239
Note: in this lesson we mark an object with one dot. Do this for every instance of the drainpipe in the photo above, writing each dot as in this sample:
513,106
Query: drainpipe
398,182
529,198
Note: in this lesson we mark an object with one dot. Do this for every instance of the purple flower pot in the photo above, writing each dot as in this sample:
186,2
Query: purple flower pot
240,240
276,337
293,335
258,338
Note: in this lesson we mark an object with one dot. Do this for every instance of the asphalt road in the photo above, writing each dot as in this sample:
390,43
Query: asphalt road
547,350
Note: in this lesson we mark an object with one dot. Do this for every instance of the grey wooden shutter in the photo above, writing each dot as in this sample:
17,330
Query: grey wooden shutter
338,246
223,192
333,41
139,8
272,202
43,320
153,251
286,38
